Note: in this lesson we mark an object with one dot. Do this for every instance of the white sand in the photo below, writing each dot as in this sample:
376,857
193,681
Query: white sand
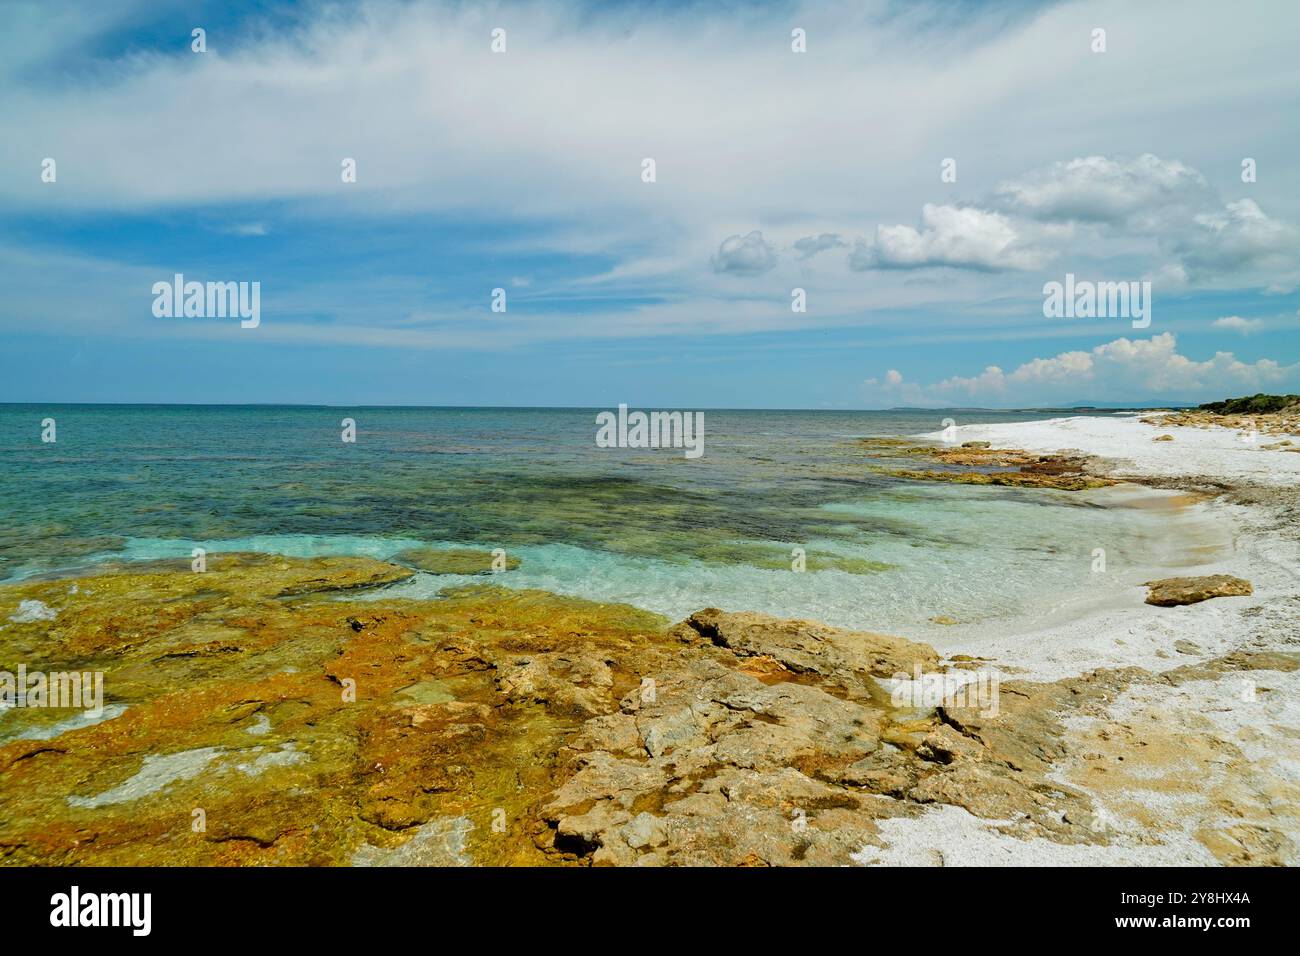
1131,445
1120,632
952,836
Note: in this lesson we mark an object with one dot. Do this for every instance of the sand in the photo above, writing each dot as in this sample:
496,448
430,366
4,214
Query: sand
1131,447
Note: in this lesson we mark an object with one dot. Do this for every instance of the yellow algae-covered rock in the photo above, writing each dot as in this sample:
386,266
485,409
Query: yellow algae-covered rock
1012,479
267,712
809,646
454,560
1170,592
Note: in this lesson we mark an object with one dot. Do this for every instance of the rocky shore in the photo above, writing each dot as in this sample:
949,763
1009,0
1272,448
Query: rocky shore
284,711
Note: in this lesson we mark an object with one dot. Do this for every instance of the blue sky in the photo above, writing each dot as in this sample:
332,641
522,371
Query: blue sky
522,170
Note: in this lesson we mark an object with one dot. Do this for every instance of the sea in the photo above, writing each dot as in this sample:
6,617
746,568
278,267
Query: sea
785,512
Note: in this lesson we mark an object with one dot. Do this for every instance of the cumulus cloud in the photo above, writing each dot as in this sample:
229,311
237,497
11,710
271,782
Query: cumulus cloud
1161,198
963,237
809,246
1098,199
1238,238
1235,323
1122,370
1105,189
747,255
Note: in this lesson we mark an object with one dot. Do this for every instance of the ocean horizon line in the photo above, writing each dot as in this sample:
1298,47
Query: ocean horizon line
1020,409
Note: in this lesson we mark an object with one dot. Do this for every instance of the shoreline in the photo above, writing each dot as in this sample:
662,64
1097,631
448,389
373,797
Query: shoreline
1247,538
1195,727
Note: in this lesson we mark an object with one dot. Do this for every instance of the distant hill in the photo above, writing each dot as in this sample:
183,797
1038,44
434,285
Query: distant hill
1081,407
1257,404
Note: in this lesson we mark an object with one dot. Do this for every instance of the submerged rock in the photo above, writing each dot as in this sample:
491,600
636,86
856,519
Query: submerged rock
1170,592
452,560
1012,479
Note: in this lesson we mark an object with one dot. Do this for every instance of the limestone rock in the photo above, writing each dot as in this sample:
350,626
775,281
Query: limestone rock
809,647
644,830
1170,592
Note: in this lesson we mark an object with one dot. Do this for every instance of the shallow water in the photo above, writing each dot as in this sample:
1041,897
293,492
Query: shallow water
648,527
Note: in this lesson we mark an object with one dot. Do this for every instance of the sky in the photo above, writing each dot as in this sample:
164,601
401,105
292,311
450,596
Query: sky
920,171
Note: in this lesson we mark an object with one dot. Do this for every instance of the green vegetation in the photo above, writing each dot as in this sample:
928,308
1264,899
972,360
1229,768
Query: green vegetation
1257,404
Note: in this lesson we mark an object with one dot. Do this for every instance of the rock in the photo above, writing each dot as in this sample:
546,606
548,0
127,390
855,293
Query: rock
587,827
451,560
809,647
577,683
945,745
1170,592
644,830
1011,479
976,444
1163,438
945,620
439,842
616,733
1083,818
1183,646
867,773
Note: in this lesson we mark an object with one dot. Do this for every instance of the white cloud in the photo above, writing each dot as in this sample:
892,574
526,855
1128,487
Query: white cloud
1118,371
809,246
1099,204
1236,323
958,236
1103,189
745,255
1238,238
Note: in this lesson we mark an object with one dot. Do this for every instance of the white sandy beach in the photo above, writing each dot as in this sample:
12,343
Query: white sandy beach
1130,444
1233,780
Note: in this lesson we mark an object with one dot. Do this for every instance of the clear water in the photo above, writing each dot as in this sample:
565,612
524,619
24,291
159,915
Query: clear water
648,527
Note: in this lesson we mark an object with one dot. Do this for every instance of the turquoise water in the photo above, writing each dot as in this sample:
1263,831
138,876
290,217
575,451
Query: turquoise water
648,527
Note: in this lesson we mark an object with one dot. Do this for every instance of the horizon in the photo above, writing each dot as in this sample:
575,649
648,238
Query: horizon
593,408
